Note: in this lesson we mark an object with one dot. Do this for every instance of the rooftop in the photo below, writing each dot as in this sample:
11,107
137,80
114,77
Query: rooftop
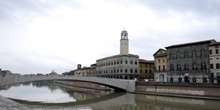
115,56
192,43
146,61
214,44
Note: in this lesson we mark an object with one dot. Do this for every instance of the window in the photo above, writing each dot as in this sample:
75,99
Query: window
210,52
180,79
131,62
178,67
135,62
203,66
121,61
171,67
131,71
126,70
163,60
211,66
146,65
150,71
163,67
159,67
159,60
175,56
204,79
217,66
171,79
126,62
186,67
216,51
194,79
135,70
194,66
146,71
194,53
185,54
121,70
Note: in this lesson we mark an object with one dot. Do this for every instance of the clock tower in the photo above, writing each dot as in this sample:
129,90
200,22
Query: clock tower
124,44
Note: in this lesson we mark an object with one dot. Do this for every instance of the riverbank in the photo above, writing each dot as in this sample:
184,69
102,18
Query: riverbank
7,104
186,90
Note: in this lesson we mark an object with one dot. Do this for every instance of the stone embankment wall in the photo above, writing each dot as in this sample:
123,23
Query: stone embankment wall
206,91
7,104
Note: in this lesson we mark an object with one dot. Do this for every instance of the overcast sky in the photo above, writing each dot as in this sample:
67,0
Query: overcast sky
38,36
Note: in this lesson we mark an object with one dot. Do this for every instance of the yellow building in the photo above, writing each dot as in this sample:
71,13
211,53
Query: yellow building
146,69
160,58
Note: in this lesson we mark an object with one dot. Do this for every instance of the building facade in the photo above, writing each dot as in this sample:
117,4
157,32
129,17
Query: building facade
82,71
189,62
122,66
214,51
160,58
146,69
93,69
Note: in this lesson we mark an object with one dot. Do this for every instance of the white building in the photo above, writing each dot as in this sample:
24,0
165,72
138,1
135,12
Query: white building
122,66
214,51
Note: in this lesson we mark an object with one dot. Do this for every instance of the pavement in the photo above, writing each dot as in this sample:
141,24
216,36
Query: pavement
7,104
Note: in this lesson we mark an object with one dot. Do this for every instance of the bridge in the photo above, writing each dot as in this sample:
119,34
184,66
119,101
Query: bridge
117,84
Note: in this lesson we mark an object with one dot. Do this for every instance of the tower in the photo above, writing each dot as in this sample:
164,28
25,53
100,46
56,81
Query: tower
124,44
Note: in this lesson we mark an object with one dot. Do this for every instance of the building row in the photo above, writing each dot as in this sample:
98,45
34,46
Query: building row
121,66
188,62
197,62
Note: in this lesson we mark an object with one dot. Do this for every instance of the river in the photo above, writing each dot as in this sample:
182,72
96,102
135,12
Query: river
48,95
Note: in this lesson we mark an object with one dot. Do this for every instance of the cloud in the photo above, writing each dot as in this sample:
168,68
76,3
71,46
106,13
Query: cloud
202,7
43,35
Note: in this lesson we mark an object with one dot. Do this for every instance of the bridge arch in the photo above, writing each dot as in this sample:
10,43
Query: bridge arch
117,84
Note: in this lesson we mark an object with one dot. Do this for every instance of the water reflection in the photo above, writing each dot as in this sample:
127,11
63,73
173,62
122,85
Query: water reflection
91,100
37,92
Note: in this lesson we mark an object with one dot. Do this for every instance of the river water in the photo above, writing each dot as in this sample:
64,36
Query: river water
52,96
